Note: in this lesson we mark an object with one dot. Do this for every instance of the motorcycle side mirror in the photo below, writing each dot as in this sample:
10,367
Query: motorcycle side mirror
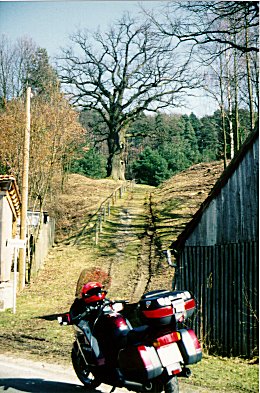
168,256
64,319
117,307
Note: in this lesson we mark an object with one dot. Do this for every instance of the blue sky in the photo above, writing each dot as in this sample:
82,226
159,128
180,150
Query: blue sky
49,24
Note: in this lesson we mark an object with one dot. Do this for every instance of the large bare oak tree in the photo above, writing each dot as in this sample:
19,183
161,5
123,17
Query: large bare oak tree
121,73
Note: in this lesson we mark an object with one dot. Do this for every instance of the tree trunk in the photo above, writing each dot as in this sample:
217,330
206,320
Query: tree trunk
118,167
230,114
116,158
249,83
223,115
236,117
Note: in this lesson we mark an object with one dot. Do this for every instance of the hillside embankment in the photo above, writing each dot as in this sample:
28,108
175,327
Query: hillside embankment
140,226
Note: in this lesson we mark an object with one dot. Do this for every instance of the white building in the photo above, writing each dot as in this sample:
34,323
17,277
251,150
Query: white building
10,204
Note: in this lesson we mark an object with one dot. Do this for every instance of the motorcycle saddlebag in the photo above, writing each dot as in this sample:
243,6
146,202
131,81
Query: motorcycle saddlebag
156,308
189,346
139,363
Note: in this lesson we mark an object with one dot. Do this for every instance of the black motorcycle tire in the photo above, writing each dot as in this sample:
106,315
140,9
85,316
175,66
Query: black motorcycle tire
82,370
171,386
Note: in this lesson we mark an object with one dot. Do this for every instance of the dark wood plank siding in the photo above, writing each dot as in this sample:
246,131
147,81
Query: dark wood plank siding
224,281
232,216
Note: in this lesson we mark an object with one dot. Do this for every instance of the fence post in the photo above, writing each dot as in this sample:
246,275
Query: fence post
100,222
96,237
102,210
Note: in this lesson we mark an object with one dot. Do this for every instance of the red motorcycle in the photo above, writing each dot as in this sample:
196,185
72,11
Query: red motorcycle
147,358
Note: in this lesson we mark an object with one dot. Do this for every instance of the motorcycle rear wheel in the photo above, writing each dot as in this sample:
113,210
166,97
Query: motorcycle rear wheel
82,370
171,386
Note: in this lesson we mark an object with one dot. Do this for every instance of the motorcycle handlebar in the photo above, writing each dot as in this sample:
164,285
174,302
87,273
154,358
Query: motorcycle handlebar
106,302
119,301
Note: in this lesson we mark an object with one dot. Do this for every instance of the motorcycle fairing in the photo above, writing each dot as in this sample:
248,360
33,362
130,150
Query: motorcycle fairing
83,329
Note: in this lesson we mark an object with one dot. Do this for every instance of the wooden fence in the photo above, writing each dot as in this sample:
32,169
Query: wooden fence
99,217
224,281
40,240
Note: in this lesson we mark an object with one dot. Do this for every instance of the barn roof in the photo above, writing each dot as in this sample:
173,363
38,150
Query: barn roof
9,186
178,244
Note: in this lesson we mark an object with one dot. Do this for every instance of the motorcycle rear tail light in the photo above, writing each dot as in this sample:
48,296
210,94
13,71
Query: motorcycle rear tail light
176,372
167,339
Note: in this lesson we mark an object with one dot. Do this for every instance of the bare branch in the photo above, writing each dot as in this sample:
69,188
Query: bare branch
208,21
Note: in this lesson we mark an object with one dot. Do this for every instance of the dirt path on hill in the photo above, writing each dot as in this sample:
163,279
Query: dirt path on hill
128,236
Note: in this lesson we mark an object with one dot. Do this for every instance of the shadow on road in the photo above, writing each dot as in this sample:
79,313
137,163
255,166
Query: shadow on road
38,385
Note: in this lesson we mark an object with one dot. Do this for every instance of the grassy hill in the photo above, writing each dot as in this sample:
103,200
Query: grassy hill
141,224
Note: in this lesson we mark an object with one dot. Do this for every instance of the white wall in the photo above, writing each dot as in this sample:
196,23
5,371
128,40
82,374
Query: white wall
6,225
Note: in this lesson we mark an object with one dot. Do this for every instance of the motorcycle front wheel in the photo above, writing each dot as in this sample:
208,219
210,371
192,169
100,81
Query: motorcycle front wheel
82,370
171,386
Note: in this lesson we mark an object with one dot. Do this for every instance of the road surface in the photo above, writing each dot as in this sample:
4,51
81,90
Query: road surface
23,375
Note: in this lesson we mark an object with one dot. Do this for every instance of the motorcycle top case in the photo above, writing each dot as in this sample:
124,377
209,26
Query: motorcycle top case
163,307
156,308
139,363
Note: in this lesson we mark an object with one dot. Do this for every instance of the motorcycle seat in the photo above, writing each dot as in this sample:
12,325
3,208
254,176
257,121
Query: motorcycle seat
138,334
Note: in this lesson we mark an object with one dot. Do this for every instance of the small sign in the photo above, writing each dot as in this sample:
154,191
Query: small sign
16,243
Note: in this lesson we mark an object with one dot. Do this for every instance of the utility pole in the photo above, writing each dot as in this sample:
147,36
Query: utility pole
26,151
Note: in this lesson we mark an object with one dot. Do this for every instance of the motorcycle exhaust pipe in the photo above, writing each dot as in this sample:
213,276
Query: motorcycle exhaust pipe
136,386
185,372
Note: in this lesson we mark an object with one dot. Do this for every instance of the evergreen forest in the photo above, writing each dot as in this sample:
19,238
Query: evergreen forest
159,145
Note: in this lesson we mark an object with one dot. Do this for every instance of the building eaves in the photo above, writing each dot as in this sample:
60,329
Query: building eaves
9,186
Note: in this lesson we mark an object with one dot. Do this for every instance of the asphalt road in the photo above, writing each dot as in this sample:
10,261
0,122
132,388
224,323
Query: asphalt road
20,375
23,375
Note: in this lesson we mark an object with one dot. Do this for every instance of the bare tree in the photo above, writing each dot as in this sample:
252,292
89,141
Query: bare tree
24,50
15,63
213,28
201,22
120,74
6,61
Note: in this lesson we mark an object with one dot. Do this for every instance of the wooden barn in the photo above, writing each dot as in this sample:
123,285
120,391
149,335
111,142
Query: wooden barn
217,258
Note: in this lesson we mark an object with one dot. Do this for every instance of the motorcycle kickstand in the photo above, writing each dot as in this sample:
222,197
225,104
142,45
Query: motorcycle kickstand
113,389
